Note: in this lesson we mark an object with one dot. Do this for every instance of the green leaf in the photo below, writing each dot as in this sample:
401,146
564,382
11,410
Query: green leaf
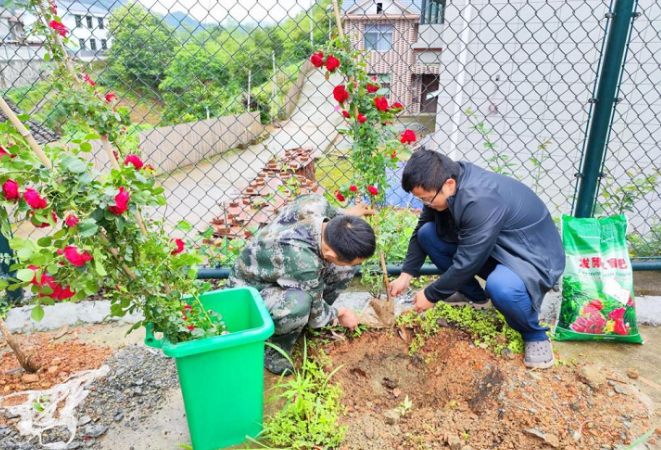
98,262
88,228
76,165
86,147
91,136
37,313
24,253
184,226
45,241
25,274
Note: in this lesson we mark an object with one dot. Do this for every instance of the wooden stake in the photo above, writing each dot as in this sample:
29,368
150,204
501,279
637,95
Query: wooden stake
24,360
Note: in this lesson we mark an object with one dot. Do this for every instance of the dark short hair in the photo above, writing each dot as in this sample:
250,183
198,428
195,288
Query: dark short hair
350,238
429,170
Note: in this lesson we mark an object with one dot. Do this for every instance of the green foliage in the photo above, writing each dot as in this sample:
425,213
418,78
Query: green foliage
131,261
395,228
487,326
311,412
646,245
620,195
498,161
143,46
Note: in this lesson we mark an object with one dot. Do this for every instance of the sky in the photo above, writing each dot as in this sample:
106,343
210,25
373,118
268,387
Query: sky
237,10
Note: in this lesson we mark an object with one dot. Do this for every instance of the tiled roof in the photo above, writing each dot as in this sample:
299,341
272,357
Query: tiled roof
41,134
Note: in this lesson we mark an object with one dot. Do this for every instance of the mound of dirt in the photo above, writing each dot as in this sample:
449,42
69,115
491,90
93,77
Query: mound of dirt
463,397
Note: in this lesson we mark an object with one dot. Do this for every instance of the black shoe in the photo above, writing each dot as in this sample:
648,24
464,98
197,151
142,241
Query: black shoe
459,299
275,363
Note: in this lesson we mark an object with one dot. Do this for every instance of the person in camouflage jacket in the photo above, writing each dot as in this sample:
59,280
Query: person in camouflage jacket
300,263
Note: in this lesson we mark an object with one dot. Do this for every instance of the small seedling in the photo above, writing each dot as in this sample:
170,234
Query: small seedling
405,406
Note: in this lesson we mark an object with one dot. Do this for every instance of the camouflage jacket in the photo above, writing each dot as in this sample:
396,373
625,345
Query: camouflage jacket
287,253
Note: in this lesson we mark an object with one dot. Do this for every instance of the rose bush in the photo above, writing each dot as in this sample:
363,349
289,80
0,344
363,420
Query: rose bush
102,246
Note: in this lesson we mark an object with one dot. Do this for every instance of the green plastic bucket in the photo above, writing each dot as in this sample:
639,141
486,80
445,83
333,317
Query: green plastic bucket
222,377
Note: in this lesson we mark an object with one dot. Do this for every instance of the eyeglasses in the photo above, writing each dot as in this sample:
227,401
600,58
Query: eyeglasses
429,203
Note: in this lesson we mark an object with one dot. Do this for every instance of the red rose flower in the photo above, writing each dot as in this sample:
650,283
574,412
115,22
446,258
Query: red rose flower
34,199
372,190
110,97
596,304
340,94
339,195
45,279
361,118
372,88
53,7
317,59
121,202
180,246
88,80
10,189
4,152
77,259
134,160
381,103
332,63
407,137
345,113
59,27
190,327
187,307
353,188
397,105
393,155
71,220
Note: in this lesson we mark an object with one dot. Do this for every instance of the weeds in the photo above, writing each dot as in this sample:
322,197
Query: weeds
311,410
488,327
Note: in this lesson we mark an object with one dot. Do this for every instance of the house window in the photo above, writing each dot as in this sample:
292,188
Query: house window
79,21
89,22
81,43
378,37
379,8
384,81
104,44
93,44
433,12
100,23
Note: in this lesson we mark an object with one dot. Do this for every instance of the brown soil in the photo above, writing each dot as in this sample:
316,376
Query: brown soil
464,397
58,359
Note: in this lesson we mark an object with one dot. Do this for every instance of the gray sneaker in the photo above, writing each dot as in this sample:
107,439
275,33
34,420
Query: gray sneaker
459,299
539,355
275,363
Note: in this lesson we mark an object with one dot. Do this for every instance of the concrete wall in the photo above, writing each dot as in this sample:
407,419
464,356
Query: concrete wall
528,69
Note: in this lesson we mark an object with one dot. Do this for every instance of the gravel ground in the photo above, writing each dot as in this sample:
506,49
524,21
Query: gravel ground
132,390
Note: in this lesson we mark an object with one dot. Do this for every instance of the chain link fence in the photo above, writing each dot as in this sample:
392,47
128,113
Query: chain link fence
236,121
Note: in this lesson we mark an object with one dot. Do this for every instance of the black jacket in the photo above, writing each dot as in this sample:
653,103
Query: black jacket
492,215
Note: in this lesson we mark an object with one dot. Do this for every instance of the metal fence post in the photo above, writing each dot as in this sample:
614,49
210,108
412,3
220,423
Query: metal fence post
621,20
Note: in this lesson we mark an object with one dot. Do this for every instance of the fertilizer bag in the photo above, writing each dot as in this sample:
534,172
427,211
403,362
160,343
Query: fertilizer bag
597,286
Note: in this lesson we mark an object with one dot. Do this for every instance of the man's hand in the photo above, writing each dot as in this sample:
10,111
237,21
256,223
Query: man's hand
359,210
401,284
421,304
347,318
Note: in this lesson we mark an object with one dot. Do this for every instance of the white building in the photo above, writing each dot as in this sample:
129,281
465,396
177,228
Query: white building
88,25
21,60
88,29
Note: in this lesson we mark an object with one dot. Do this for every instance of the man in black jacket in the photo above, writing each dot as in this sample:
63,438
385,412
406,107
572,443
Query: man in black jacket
477,222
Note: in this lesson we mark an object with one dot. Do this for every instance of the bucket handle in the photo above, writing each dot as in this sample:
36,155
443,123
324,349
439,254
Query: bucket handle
150,340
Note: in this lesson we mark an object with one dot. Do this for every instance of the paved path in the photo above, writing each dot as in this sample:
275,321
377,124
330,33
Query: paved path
193,192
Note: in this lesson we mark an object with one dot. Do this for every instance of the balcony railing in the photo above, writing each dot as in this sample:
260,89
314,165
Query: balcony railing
433,12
